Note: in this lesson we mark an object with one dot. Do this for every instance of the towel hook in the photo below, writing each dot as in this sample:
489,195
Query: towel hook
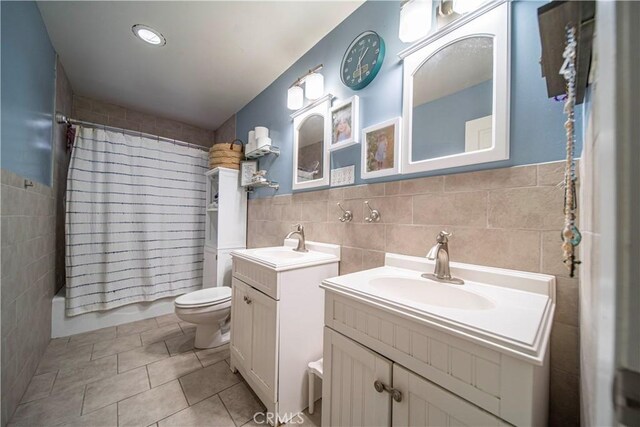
374,214
346,216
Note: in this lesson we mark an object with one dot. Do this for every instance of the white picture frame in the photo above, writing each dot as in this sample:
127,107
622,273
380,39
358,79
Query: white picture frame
346,114
247,169
492,20
375,160
319,107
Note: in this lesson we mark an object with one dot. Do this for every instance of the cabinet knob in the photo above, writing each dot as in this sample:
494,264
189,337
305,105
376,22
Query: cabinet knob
247,299
395,393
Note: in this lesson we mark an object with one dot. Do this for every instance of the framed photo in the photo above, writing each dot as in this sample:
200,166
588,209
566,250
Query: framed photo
381,149
345,123
247,169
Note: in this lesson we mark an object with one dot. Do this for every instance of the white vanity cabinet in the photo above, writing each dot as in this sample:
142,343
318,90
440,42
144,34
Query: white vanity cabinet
474,355
277,320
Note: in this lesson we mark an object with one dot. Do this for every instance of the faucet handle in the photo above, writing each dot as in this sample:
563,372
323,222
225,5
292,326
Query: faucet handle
299,227
443,236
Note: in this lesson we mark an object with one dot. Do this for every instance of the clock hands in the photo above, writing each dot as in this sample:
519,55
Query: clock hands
360,62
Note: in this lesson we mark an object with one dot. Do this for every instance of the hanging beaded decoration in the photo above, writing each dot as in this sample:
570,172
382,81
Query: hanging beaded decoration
570,234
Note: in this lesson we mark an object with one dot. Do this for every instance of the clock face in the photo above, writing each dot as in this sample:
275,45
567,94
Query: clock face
362,60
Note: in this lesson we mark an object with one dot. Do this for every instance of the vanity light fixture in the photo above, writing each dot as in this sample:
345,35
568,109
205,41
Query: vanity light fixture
415,19
295,97
465,6
149,35
313,88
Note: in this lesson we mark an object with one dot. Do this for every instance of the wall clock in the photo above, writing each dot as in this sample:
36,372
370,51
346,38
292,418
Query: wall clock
362,60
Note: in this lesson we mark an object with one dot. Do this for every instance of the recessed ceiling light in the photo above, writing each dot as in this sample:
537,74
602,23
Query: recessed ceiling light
149,35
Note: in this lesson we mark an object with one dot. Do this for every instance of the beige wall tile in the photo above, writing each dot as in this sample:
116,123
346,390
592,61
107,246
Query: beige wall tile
350,260
325,232
393,209
567,301
109,110
363,191
551,173
372,259
467,209
313,211
432,184
538,208
552,255
410,239
520,176
365,236
564,399
565,343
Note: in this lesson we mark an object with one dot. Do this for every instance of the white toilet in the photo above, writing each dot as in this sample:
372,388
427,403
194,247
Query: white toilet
209,309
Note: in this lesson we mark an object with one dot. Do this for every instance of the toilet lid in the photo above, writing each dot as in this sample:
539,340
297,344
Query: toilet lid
205,297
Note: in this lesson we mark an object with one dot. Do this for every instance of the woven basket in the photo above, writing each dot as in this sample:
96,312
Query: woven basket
226,155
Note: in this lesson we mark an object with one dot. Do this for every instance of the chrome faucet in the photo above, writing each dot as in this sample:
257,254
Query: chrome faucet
302,244
440,253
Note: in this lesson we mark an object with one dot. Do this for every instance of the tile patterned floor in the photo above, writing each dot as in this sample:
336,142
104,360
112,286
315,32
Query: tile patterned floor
145,373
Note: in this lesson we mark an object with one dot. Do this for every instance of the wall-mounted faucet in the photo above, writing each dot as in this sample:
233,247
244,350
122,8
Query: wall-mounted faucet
302,244
346,216
440,253
374,214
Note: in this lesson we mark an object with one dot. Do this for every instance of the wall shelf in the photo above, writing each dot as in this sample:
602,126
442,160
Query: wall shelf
264,151
266,183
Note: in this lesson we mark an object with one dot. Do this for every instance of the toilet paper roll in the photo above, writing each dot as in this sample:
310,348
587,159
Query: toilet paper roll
264,141
261,132
251,142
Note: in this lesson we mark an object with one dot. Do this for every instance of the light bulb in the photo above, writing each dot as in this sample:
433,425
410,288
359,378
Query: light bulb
295,98
465,6
415,19
314,86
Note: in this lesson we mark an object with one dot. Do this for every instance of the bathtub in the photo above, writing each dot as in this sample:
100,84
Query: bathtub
62,326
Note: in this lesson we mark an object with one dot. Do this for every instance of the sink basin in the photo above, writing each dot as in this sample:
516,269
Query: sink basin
424,291
284,253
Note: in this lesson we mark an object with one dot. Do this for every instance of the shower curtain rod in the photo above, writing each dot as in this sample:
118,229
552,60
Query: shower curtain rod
61,118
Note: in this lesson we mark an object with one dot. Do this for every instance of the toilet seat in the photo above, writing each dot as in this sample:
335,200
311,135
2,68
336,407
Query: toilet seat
204,298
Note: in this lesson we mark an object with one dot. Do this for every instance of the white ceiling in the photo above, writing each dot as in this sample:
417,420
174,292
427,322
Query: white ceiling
218,57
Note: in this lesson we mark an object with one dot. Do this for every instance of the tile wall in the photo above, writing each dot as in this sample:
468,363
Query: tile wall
95,111
28,282
508,218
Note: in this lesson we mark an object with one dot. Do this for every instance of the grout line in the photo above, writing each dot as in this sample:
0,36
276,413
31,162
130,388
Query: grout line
146,368
227,409
84,395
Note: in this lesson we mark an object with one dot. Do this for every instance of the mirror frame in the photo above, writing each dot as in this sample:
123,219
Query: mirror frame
492,20
321,107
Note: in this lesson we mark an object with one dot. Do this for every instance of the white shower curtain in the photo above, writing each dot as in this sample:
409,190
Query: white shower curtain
135,220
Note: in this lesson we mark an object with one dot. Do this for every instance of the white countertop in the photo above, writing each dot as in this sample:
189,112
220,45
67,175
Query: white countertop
504,309
282,258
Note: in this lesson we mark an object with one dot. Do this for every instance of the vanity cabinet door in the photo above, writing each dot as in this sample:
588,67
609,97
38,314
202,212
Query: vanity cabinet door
241,322
425,404
264,342
349,397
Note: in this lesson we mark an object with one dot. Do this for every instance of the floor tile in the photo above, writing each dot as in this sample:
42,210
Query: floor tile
180,344
167,319
314,419
208,381
241,403
141,356
209,412
152,405
93,337
188,328
39,387
61,357
105,417
50,409
161,334
136,327
116,345
109,390
174,367
213,355
86,372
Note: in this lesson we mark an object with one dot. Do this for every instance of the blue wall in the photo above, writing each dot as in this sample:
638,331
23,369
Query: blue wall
537,132
28,92
439,125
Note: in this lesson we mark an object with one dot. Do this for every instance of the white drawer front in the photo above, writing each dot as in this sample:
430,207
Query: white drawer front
466,369
261,278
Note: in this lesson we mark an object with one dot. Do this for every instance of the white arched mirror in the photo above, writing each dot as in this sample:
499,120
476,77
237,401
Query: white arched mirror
311,134
456,94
